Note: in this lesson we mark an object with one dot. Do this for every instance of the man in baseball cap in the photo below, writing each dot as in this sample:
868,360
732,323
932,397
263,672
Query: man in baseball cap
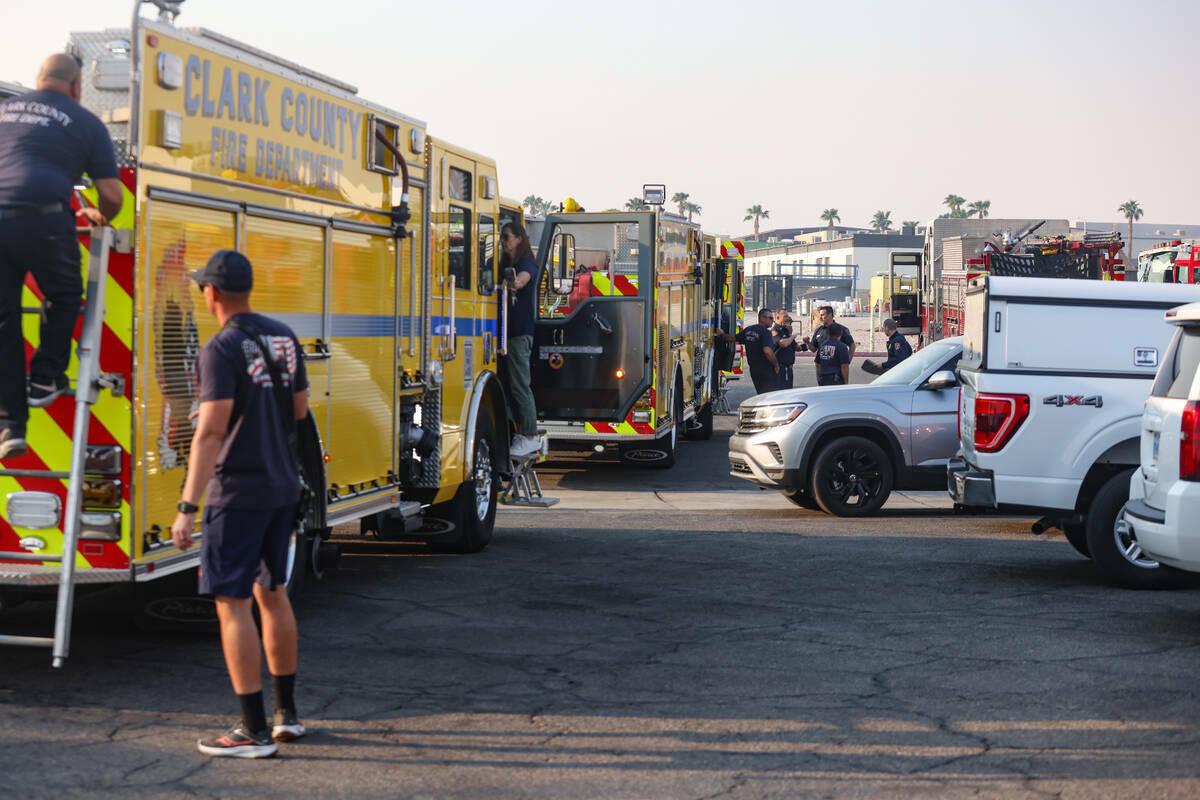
226,271
254,365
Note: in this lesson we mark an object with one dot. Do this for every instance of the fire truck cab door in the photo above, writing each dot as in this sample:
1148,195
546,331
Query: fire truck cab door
593,335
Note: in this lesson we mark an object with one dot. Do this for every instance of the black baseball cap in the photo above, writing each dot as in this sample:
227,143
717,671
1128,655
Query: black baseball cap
226,271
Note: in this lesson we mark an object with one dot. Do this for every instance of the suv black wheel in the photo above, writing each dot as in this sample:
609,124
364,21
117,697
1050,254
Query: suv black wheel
801,498
851,477
1114,549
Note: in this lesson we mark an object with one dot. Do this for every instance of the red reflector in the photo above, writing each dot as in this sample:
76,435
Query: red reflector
997,417
152,40
1189,442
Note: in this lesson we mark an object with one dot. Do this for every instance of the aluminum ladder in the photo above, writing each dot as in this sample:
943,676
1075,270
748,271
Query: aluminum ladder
524,488
87,388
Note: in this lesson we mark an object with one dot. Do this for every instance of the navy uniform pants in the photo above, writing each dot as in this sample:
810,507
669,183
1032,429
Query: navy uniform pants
45,246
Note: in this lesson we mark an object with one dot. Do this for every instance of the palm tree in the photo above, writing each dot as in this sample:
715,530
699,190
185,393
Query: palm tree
979,207
755,212
830,215
680,198
910,223
636,204
954,202
882,221
691,208
535,204
1132,211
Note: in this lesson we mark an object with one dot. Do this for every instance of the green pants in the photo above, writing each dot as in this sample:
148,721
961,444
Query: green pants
516,377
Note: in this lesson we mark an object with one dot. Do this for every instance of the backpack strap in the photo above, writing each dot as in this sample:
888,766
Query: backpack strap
285,404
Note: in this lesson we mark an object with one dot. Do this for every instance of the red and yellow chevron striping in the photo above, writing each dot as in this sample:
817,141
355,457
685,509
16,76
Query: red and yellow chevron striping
50,429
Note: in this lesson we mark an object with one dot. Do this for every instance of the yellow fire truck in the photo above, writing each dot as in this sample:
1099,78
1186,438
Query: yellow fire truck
625,349
374,241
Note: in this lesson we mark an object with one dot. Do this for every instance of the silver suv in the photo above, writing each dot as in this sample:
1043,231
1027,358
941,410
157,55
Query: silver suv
843,449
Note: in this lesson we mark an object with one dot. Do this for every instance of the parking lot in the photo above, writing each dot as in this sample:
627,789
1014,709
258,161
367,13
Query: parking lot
666,633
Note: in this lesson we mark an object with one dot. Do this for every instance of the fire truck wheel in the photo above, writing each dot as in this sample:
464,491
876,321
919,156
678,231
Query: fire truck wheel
661,452
700,427
473,507
851,477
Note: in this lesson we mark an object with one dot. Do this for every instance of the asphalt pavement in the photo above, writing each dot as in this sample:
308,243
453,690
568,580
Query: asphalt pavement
659,633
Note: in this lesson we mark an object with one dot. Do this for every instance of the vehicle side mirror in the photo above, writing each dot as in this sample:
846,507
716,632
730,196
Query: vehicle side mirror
1168,276
564,246
942,379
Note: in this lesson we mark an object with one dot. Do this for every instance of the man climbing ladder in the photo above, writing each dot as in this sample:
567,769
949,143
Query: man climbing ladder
47,141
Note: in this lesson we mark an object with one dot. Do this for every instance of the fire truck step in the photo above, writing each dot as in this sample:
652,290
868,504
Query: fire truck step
27,641
34,473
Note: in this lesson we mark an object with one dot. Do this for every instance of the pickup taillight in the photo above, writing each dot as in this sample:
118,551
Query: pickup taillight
997,418
1189,442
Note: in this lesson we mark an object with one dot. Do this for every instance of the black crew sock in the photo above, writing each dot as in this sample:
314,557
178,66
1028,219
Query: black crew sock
285,685
253,714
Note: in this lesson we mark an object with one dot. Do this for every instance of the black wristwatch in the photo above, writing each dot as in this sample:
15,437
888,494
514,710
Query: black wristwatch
187,508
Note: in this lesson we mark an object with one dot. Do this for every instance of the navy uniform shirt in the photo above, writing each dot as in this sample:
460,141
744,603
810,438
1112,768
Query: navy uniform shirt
898,349
786,356
521,301
755,338
831,355
254,467
47,141
822,333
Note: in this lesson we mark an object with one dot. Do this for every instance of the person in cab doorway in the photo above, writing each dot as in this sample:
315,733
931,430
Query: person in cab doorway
760,352
242,464
47,142
785,346
519,319
833,358
898,347
821,333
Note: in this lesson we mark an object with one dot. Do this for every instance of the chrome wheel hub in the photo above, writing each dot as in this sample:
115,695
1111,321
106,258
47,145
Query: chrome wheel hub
1127,544
481,475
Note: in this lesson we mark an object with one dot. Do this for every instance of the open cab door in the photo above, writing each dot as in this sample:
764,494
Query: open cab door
593,340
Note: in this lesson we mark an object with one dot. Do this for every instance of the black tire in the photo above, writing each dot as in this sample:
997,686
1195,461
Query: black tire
1114,552
472,510
851,477
700,427
661,452
801,498
1076,533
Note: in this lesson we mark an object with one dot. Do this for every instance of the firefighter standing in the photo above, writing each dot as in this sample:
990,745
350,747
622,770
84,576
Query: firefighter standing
241,463
47,141
760,352
898,347
833,358
785,347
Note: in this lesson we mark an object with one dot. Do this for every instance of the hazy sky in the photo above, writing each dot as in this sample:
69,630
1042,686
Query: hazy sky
1061,108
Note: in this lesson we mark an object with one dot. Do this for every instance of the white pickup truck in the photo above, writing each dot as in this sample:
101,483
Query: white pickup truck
1054,376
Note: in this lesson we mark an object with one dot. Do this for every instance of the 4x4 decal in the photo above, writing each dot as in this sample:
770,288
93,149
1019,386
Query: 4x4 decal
1061,400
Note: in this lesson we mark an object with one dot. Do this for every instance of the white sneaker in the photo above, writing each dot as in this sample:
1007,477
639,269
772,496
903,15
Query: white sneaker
523,446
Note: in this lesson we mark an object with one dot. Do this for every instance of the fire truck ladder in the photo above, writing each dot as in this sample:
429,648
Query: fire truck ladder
87,389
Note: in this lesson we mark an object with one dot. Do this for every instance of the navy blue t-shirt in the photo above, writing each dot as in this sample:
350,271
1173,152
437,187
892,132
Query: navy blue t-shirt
898,349
786,356
821,334
521,302
254,468
831,355
47,141
755,338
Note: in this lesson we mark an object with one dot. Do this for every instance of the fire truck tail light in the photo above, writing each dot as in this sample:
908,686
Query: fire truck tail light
620,374
102,492
100,526
997,418
33,509
1189,442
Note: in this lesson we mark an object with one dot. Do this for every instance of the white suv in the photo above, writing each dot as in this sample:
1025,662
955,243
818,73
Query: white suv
1164,492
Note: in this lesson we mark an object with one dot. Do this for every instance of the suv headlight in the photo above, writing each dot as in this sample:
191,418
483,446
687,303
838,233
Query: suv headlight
760,418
